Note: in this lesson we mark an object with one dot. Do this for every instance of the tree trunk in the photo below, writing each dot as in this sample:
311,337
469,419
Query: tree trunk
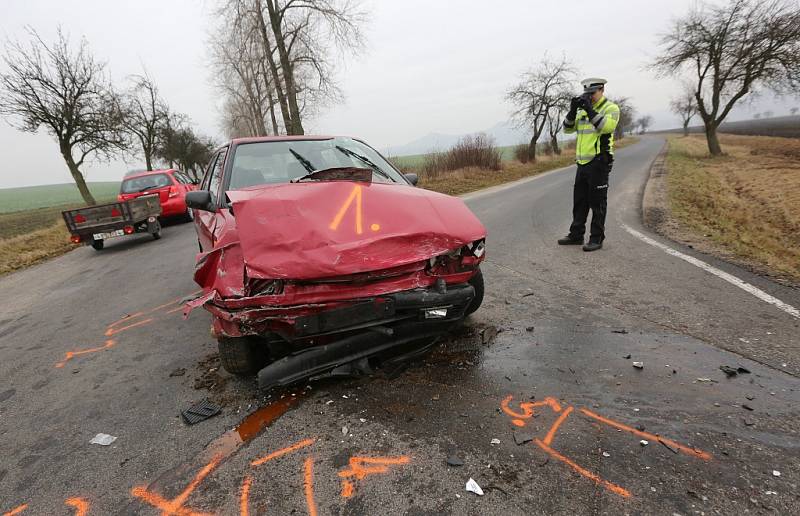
148,160
272,113
273,68
554,145
713,142
532,147
686,128
288,72
77,176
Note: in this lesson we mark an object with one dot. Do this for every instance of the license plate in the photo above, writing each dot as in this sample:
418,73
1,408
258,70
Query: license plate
110,234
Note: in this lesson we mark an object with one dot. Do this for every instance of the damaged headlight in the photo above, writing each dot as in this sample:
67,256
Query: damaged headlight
478,248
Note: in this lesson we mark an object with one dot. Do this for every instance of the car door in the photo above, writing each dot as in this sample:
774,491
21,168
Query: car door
207,220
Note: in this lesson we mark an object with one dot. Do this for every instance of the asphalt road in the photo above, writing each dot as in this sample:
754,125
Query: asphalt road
536,394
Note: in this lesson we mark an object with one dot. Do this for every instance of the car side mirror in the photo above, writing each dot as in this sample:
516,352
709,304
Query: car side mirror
199,200
412,178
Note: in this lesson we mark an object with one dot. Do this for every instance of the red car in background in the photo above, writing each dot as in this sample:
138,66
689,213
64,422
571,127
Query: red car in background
171,186
318,256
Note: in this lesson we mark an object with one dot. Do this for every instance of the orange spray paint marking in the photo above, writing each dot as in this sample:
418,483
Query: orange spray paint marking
113,331
553,429
685,449
527,408
354,195
283,451
361,467
614,488
244,496
69,355
175,507
16,510
81,505
308,485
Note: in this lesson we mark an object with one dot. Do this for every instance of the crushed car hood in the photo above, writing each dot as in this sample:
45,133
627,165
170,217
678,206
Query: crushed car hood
322,229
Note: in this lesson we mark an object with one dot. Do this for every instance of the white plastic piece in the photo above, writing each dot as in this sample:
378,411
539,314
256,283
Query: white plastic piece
473,487
103,439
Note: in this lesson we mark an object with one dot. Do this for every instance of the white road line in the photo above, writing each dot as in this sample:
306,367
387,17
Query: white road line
789,309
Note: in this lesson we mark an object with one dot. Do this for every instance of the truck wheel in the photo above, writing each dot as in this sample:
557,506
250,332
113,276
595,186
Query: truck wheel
241,355
477,284
97,245
156,234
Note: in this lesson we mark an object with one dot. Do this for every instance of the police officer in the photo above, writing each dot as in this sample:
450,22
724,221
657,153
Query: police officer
594,118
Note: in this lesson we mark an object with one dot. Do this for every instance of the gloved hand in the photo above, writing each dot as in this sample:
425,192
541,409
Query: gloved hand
574,104
586,104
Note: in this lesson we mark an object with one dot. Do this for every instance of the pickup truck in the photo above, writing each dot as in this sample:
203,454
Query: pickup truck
93,225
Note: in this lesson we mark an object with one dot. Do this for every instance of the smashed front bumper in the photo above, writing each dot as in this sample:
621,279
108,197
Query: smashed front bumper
439,303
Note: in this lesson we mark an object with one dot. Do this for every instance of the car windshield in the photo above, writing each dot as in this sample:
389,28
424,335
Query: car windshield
142,183
283,161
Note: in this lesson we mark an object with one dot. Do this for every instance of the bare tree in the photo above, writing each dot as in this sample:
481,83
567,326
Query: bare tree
302,33
685,106
627,114
757,116
644,123
732,50
144,114
794,111
67,92
540,91
555,120
768,114
179,145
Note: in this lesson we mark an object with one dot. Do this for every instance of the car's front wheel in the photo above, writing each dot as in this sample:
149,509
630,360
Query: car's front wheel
242,355
477,283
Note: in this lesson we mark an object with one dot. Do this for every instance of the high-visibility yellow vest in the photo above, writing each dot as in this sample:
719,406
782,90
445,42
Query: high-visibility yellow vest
594,136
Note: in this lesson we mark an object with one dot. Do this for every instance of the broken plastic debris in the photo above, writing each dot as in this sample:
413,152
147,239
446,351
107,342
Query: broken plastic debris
200,412
704,380
362,420
776,473
522,437
638,365
606,454
729,371
454,461
344,430
644,442
473,487
105,440
494,441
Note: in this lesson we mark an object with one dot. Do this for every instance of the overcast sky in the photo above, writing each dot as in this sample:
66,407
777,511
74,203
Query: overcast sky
429,66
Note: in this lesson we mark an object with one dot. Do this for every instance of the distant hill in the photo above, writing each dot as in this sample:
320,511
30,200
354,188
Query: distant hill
45,196
504,134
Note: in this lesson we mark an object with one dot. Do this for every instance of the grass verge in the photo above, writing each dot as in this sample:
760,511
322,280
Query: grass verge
747,201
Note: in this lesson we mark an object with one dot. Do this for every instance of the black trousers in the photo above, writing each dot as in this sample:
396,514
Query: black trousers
591,193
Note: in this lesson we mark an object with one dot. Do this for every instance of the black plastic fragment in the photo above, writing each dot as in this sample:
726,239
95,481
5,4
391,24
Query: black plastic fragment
200,412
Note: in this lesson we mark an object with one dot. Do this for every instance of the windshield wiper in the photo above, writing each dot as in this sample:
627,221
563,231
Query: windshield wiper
303,161
313,173
365,161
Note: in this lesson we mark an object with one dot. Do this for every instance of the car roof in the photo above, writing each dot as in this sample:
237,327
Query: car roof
151,173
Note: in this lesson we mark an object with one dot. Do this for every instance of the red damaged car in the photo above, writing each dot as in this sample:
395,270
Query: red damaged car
317,254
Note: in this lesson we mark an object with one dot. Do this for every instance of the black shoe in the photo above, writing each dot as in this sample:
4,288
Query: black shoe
570,240
593,246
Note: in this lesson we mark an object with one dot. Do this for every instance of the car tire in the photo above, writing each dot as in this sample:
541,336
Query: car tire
97,245
241,355
156,234
188,216
477,284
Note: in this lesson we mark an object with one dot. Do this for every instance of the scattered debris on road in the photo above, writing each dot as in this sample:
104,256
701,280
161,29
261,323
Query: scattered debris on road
200,412
627,357
776,473
742,370
667,446
747,407
638,365
495,441
606,454
103,439
644,442
522,437
530,329
178,372
473,487
730,372
454,461
345,430
622,331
